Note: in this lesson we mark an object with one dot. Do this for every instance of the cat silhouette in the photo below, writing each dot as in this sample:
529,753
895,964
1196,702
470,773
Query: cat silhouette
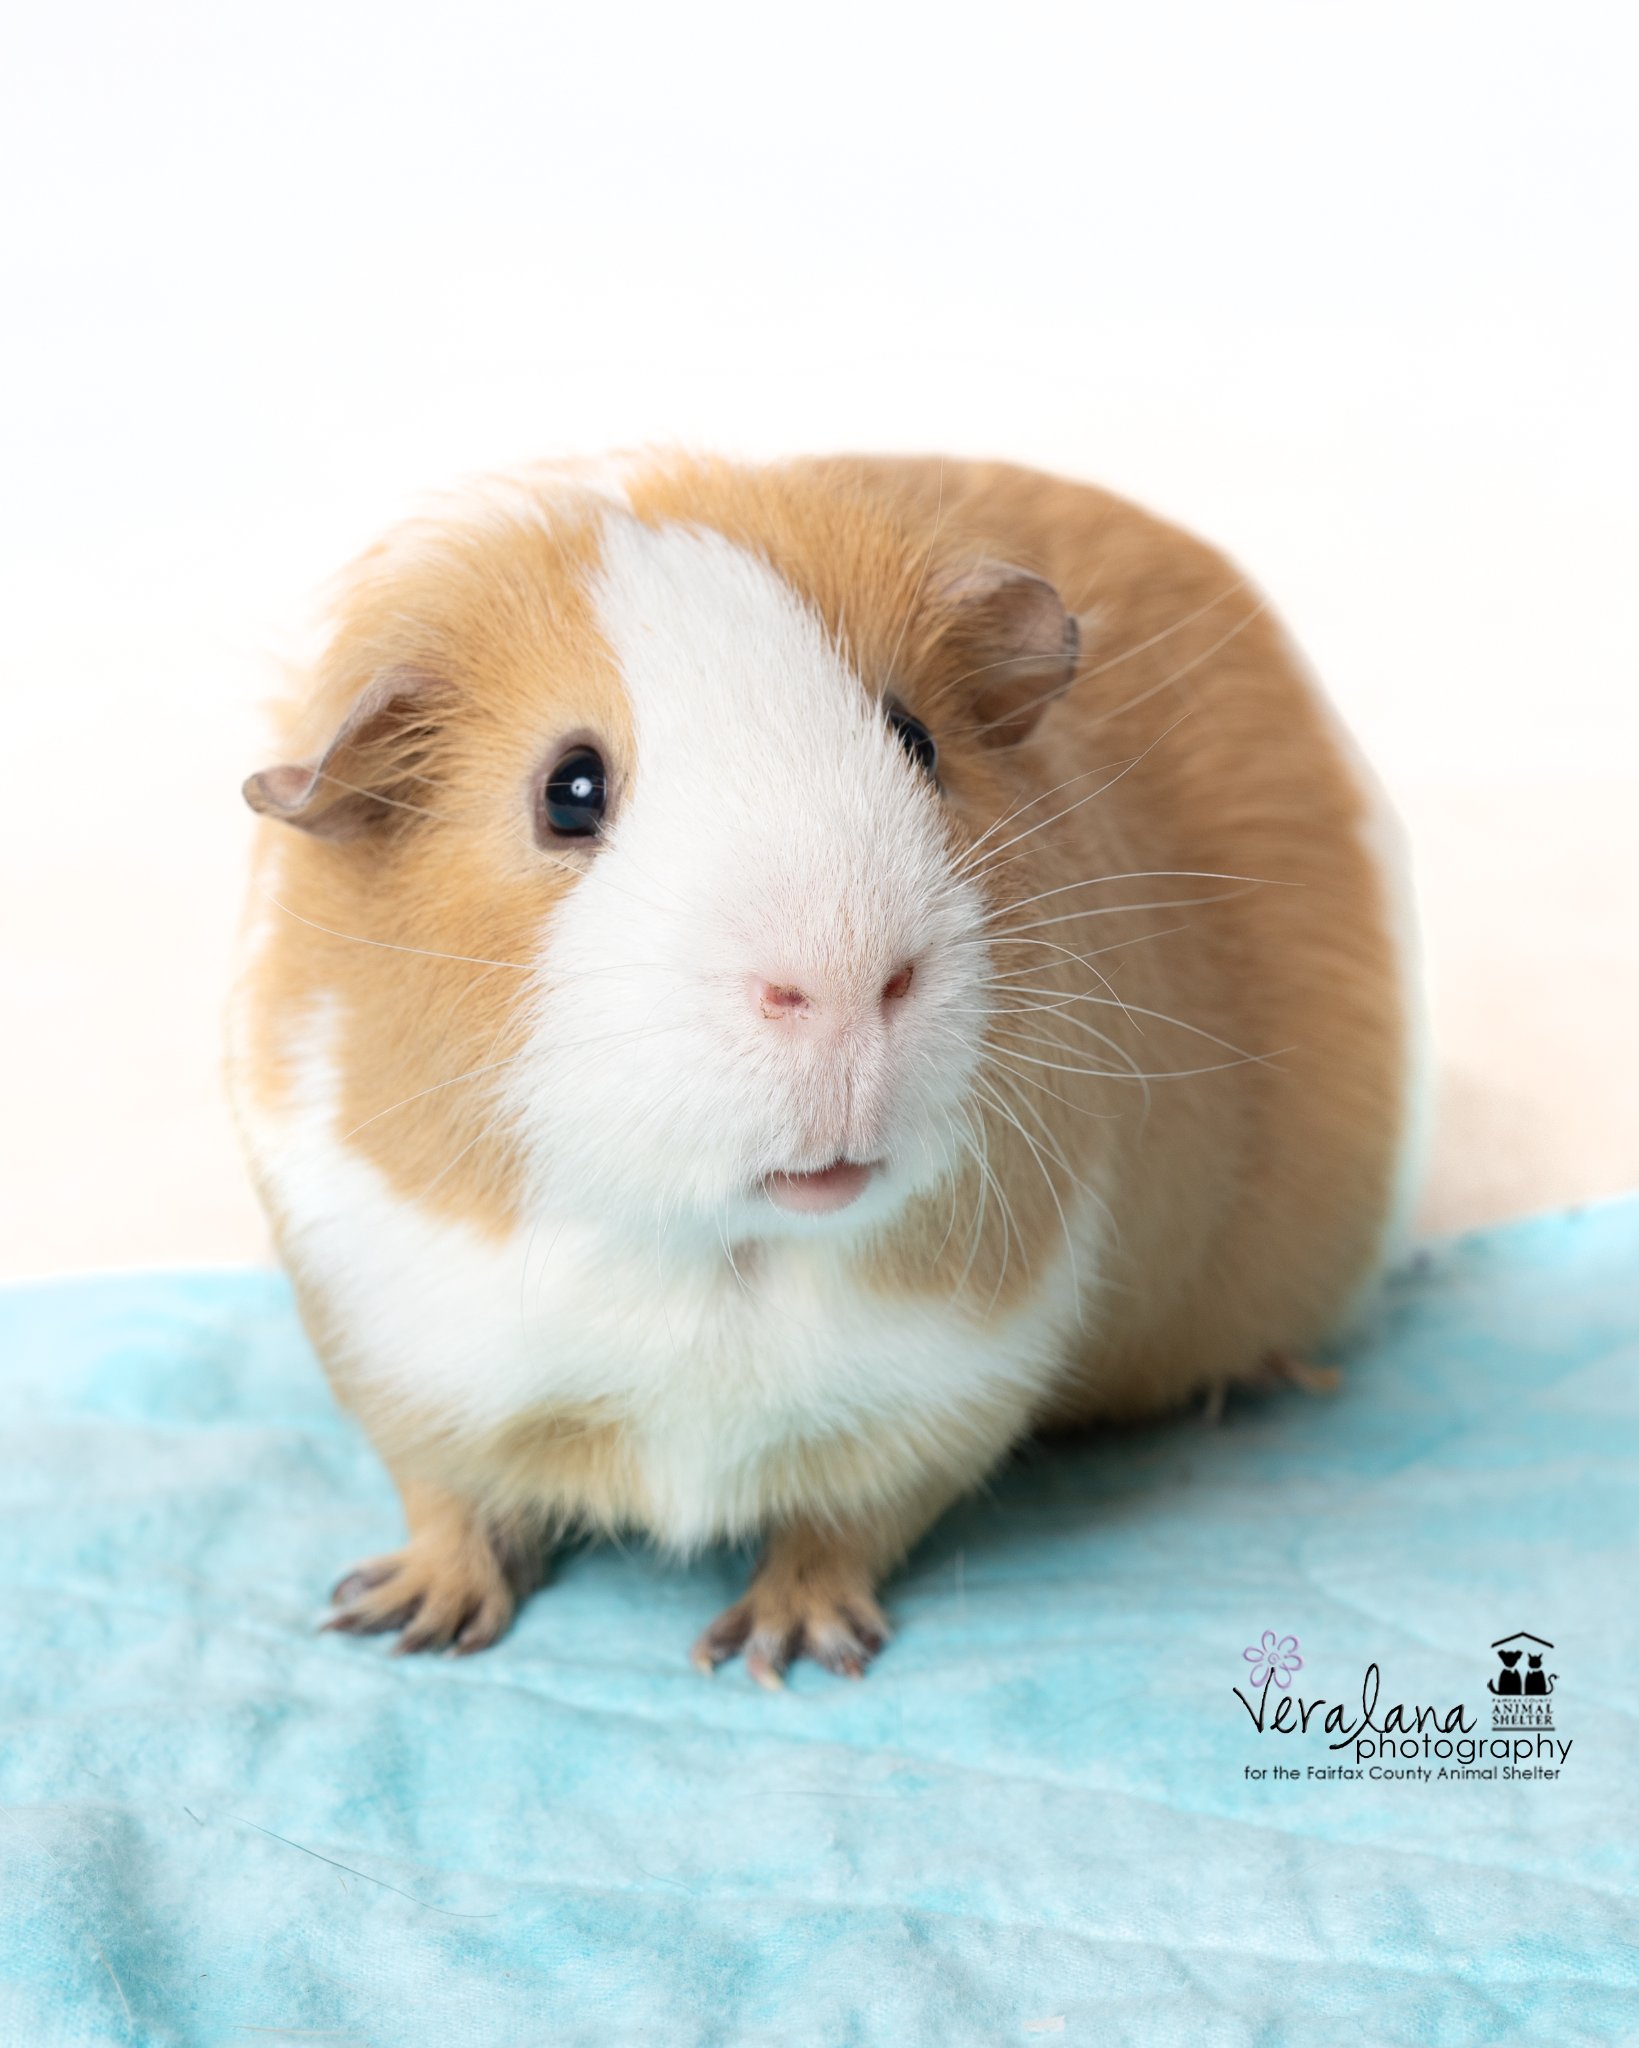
1507,1680
1536,1679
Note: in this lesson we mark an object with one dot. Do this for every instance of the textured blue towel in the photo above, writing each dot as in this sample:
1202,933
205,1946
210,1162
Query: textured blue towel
1033,1819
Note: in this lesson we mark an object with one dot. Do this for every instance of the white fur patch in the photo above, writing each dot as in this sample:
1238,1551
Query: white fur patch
710,1368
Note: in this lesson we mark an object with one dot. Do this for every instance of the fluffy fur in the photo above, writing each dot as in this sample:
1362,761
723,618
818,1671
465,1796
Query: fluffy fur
1137,1102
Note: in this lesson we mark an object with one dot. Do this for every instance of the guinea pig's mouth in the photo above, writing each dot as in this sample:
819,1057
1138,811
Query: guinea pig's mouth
833,1187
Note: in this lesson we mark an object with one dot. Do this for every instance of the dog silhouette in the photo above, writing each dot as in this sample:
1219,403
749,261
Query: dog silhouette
1536,1679
1508,1679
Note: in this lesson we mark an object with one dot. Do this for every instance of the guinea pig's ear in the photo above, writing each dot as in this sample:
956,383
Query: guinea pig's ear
1017,643
369,770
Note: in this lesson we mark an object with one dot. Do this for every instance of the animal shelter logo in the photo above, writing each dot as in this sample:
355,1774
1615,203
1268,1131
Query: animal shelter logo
1415,1742
1522,1699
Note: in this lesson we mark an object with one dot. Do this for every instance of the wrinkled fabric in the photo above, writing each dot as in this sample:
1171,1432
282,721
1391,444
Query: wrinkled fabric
1032,1820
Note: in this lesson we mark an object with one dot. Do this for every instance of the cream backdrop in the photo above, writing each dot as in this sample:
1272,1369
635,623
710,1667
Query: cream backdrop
1351,290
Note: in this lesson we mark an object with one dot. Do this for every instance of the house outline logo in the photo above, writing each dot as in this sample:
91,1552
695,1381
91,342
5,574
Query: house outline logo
1522,1699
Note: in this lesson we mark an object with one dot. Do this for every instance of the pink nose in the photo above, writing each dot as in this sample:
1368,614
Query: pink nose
779,1001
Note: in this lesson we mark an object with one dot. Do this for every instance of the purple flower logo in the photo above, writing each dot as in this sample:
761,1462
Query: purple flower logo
1272,1659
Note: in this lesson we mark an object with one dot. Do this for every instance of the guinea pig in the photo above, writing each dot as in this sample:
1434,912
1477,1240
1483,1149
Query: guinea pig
767,985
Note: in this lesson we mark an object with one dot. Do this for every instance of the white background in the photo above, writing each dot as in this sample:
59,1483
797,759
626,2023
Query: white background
1351,290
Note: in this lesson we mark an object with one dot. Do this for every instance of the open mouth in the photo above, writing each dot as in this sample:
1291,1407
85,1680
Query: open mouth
822,1193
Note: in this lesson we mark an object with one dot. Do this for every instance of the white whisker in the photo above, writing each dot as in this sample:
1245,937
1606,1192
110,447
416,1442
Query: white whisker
391,946
990,862
471,1074
1064,952
1148,875
1161,1017
1195,661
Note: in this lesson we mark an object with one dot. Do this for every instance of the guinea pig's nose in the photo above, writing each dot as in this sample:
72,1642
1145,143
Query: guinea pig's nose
778,999
781,1001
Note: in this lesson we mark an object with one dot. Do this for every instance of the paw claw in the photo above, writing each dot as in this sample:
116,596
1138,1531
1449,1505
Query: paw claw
363,1619
482,1629
870,1638
723,1639
362,1578
414,1640
767,1675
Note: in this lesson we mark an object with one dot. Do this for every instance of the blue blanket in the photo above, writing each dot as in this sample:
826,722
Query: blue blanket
1050,1810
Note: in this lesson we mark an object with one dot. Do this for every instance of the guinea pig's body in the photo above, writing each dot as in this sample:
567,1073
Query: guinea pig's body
768,985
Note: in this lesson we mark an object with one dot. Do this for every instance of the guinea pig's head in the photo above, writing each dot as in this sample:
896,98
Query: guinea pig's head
691,779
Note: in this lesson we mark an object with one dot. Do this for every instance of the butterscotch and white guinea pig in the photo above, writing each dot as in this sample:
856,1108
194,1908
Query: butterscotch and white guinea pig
766,985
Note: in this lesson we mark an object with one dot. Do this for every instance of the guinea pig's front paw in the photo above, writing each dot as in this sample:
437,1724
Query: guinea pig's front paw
829,1616
444,1593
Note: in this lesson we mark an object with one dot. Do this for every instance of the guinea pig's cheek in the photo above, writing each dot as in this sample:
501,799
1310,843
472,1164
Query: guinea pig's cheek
611,1092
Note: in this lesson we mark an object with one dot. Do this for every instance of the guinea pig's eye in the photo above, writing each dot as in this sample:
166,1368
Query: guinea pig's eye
575,795
915,738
